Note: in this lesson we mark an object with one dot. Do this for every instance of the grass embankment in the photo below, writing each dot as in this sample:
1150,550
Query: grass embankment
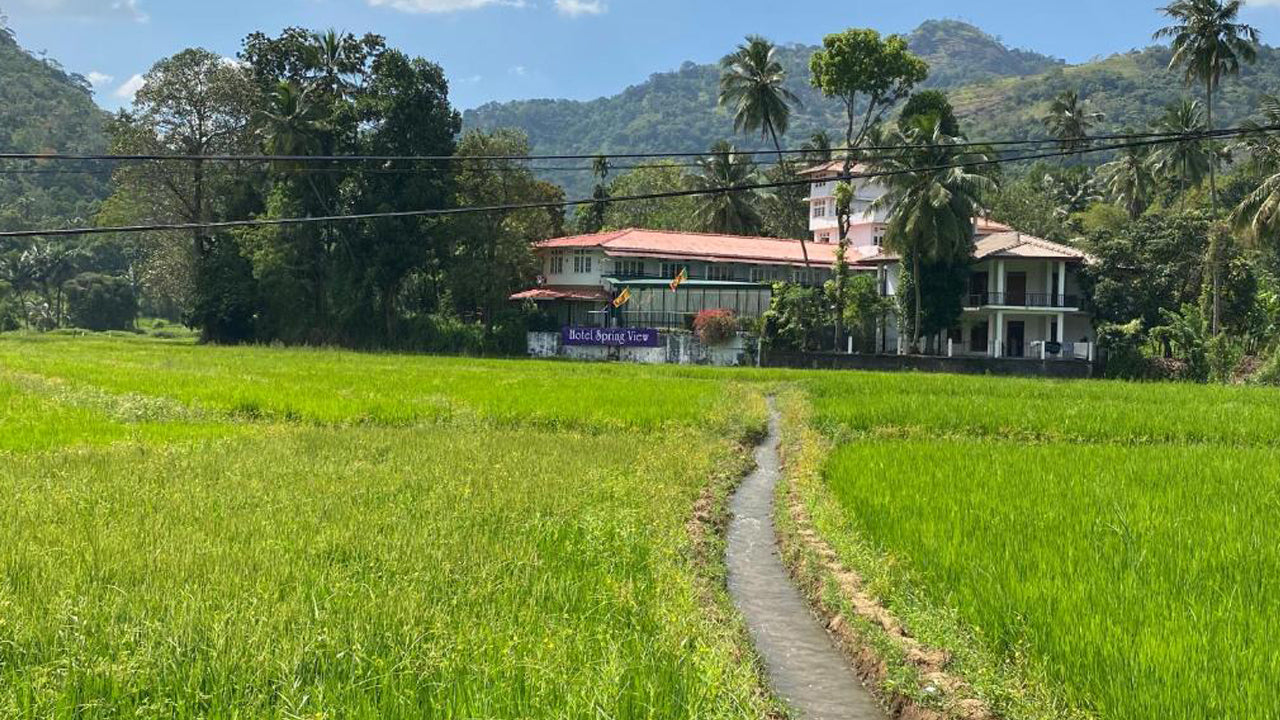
362,536
1074,549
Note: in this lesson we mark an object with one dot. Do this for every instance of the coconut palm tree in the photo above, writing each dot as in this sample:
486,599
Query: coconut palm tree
1188,161
932,202
1128,179
1068,122
720,210
1208,43
817,149
290,122
751,83
1259,213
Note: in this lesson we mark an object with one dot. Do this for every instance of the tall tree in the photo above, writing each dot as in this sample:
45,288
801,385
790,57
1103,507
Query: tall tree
1069,122
590,218
724,209
931,102
752,84
1186,162
1128,180
1209,42
1259,213
932,200
817,149
869,74
493,251
194,103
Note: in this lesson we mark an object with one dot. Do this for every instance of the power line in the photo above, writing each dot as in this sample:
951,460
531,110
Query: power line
562,157
445,212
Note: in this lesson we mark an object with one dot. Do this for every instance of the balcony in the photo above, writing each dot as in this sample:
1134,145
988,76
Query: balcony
1048,301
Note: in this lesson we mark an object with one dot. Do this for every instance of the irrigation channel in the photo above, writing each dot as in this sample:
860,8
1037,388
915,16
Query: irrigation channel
804,665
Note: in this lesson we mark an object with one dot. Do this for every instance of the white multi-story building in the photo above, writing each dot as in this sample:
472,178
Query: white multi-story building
1024,298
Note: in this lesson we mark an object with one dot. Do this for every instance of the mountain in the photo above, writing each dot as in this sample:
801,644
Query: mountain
998,93
42,108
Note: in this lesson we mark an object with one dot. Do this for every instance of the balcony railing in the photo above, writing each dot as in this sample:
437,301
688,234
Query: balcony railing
1023,300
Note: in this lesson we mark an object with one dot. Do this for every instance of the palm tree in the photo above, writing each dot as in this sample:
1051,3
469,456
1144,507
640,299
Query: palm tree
1259,213
817,149
1128,179
719,210
1187,161
1069,123
290,122
331,54
751,82
1208,43
932,202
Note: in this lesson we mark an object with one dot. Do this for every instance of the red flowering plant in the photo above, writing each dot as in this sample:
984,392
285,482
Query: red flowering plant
715,327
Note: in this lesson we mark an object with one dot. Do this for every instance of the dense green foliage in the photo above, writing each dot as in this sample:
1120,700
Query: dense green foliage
44,108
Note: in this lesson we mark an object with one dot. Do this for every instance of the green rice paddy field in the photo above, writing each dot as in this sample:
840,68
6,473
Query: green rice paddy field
197,532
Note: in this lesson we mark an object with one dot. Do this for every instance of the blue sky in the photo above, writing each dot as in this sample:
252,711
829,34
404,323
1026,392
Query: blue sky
580,49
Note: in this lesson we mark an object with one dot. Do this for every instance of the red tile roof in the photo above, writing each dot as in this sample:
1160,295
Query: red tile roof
564,292
703,246
835,166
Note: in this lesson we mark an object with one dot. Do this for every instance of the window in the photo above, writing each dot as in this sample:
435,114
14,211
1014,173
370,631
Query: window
877,238
758,274
802,277
582,261
631,268
671,270
824,237
820,208
716,271
557,263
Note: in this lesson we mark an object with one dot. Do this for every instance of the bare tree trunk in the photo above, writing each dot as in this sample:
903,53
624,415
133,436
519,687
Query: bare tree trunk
1214,259
782,163
915,284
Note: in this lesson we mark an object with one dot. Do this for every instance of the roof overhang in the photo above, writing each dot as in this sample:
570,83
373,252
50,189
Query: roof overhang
668,254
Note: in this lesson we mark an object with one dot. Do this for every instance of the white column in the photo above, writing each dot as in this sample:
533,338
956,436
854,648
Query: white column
1000,327
1000,280
1062,283
1062,327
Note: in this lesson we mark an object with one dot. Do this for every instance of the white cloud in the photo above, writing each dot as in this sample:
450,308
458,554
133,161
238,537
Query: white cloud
98,79
444,6
519,70
89,9
130,88
577,8
469,80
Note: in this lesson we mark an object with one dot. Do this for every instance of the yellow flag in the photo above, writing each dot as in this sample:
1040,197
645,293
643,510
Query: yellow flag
684,275
623,298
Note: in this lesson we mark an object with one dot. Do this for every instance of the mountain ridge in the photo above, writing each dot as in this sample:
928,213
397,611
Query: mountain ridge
999,93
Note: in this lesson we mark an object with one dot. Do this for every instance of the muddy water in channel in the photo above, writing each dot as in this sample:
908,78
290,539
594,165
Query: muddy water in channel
805,667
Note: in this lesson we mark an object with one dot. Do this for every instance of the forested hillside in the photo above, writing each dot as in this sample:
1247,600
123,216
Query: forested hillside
42,108
997,91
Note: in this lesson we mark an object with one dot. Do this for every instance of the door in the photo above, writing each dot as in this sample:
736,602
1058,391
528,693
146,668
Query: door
1017,333
1016,289
978,338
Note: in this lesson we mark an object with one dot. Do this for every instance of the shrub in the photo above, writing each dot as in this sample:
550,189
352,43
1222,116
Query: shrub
101,302
715,327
